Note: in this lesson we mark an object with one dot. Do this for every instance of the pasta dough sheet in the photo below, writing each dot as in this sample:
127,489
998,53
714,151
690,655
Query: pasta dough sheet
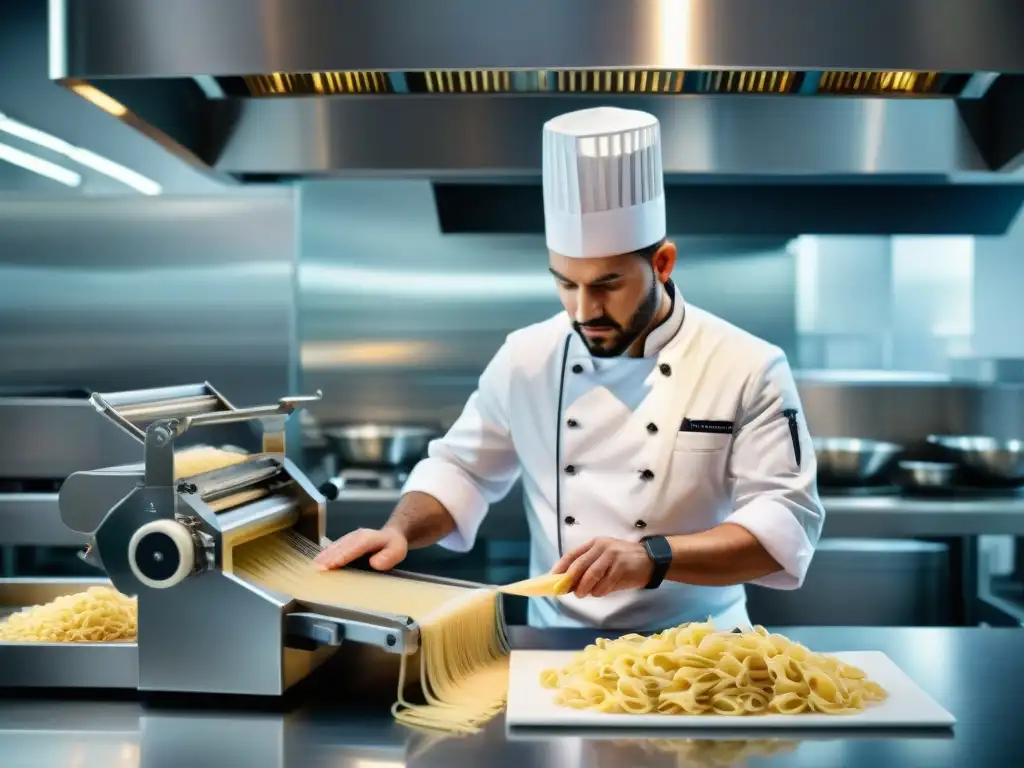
283,562
204,458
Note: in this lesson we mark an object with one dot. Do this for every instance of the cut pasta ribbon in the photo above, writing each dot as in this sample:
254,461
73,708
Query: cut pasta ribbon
98,615
693,669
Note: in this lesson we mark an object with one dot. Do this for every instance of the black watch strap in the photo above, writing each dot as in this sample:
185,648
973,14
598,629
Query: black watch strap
660,552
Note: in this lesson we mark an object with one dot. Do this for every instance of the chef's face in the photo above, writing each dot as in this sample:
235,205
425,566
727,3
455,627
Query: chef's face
613,300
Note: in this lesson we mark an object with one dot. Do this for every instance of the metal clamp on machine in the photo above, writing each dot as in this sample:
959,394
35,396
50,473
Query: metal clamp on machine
169,537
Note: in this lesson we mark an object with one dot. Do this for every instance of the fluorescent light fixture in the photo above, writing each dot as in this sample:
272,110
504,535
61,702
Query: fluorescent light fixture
118,172
91,160
37,165
34,135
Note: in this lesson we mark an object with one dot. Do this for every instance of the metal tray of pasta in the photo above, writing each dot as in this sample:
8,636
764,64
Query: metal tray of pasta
29,661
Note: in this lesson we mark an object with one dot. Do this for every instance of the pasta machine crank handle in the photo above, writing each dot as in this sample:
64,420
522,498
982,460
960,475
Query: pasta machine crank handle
305,631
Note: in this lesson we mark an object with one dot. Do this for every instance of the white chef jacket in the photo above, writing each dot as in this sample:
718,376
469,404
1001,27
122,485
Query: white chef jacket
706,427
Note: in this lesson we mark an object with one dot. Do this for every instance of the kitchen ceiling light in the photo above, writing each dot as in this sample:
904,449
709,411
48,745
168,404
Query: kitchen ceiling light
81,156
40,166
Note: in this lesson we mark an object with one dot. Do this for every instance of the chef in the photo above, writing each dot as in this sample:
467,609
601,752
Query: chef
663,453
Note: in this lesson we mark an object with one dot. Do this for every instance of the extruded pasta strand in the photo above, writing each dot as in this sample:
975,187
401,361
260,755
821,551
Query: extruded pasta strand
464,651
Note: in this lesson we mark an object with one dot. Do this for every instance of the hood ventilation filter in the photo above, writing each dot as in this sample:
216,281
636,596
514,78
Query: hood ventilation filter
316,84
879,83
598,81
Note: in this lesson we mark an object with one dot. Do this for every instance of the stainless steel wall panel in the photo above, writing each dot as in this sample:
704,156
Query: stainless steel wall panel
117,294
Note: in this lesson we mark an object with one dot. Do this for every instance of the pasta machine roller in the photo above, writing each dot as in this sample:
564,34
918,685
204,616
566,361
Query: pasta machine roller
169,539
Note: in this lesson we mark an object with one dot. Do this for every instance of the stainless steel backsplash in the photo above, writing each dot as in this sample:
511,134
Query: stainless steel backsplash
135,292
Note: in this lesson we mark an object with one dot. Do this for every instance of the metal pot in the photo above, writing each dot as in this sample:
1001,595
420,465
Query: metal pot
378,445
852,461
988,458
927,474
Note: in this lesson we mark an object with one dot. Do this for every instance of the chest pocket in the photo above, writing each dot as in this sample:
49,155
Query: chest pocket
704,436
697,481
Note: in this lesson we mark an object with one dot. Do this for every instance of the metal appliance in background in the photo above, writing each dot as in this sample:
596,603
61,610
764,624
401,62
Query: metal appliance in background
375,456
926,476
48,433
375,445
901,89
170,541
854,463
984,460
863,582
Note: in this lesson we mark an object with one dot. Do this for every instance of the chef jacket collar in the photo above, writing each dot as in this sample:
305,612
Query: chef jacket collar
657,340
666,330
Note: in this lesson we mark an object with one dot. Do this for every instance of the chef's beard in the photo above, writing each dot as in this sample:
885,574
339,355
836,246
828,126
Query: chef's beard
618,343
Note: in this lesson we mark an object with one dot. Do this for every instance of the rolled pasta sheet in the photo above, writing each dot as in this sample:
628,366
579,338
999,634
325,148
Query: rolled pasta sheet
694,669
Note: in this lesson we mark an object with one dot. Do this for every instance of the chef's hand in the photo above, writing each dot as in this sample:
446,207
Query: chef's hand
387,545
602,566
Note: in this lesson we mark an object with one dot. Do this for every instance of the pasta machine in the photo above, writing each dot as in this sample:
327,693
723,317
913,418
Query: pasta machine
168,539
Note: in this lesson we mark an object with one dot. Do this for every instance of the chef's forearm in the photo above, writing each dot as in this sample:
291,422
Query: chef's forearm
422,519
721,556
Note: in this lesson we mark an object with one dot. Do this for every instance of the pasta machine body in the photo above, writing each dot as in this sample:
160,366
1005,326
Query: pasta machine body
169,540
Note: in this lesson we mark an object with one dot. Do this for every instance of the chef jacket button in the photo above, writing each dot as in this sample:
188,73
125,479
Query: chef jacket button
647,474
570,520
572,423
577,368
652,428
666,369
640,524
570,469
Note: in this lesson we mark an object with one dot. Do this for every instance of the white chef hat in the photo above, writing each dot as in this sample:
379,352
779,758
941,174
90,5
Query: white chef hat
604,193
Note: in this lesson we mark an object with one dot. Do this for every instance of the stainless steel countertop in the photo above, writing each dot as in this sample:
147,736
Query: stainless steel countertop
975,673
33,519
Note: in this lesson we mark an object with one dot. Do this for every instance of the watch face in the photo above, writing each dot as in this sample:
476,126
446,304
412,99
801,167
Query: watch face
659,549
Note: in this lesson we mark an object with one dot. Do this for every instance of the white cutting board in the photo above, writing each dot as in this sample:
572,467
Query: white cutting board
530,704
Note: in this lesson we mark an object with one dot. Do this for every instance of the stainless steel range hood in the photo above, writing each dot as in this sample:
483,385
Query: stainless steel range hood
281,89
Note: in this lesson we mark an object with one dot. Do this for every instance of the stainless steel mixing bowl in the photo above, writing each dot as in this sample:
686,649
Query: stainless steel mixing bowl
378,445
988,458
927,475
853,461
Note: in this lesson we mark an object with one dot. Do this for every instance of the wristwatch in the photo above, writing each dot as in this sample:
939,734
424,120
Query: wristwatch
660,552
